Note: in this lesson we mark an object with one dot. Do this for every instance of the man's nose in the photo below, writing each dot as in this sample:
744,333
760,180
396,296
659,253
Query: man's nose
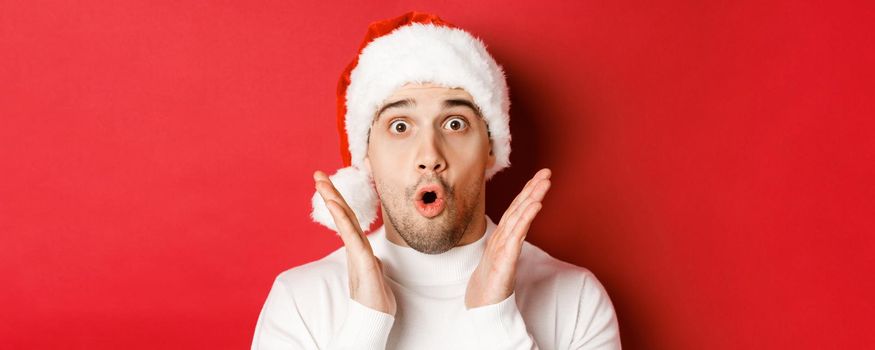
430,157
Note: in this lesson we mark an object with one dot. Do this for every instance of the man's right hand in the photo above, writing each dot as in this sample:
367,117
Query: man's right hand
367,284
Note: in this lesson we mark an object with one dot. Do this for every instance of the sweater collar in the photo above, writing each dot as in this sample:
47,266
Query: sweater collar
407,266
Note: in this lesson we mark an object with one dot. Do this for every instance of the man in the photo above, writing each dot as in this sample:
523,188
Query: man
426,125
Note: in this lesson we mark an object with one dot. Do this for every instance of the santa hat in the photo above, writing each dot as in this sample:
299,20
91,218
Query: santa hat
413,48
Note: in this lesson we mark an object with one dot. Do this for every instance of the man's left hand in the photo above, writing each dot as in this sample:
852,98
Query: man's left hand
493,279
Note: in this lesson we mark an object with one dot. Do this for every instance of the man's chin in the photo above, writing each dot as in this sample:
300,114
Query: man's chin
433,235
431,248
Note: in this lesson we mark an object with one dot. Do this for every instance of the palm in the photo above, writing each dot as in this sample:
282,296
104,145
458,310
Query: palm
493,279
367,284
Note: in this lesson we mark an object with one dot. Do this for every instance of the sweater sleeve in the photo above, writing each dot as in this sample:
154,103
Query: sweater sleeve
500,326
364,328
280,325
596,327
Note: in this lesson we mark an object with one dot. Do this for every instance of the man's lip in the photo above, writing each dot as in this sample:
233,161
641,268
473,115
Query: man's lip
434,208
430,210
437,189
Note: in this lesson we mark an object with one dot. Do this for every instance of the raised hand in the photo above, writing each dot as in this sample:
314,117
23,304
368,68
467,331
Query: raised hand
367,284
493,279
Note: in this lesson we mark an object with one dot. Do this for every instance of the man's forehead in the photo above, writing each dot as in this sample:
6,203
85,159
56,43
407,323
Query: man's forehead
451,97
409,88
410,91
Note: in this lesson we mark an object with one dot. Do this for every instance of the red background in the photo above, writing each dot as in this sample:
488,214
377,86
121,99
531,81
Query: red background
712,162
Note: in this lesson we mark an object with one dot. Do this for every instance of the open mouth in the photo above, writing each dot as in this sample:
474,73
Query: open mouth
430,200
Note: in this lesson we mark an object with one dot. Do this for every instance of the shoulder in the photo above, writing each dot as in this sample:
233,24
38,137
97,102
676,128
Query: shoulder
538,269
315,279
305,303
547,284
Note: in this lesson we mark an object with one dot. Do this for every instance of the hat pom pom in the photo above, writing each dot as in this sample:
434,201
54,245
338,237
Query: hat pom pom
357,190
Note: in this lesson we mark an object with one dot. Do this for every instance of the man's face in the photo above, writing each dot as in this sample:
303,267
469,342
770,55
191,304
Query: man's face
428,157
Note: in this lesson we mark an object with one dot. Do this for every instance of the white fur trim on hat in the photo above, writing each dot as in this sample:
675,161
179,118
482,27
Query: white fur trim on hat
422,53
356,188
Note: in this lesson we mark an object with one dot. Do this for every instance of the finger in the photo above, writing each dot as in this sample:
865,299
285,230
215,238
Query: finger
510,248
332,193
521,229
328,191
380,263
354,233
527,190
542,174
536,195
540,190
348,231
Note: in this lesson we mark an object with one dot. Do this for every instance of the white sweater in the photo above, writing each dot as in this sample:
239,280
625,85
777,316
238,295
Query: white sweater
555,305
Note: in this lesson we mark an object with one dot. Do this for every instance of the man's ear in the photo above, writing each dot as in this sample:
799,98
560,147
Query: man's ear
367,165
491,160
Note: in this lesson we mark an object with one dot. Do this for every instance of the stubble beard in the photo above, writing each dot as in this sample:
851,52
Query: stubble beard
429,235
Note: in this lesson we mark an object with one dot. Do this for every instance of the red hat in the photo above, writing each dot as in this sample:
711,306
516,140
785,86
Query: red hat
414,47
375,30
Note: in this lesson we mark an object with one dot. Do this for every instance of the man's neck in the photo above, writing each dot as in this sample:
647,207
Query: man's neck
475,230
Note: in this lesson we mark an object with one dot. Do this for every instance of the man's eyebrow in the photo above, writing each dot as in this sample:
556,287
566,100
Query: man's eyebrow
405,103
410,102
462,102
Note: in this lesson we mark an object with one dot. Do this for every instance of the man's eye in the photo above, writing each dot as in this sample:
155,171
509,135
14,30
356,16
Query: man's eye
398,127
456,124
